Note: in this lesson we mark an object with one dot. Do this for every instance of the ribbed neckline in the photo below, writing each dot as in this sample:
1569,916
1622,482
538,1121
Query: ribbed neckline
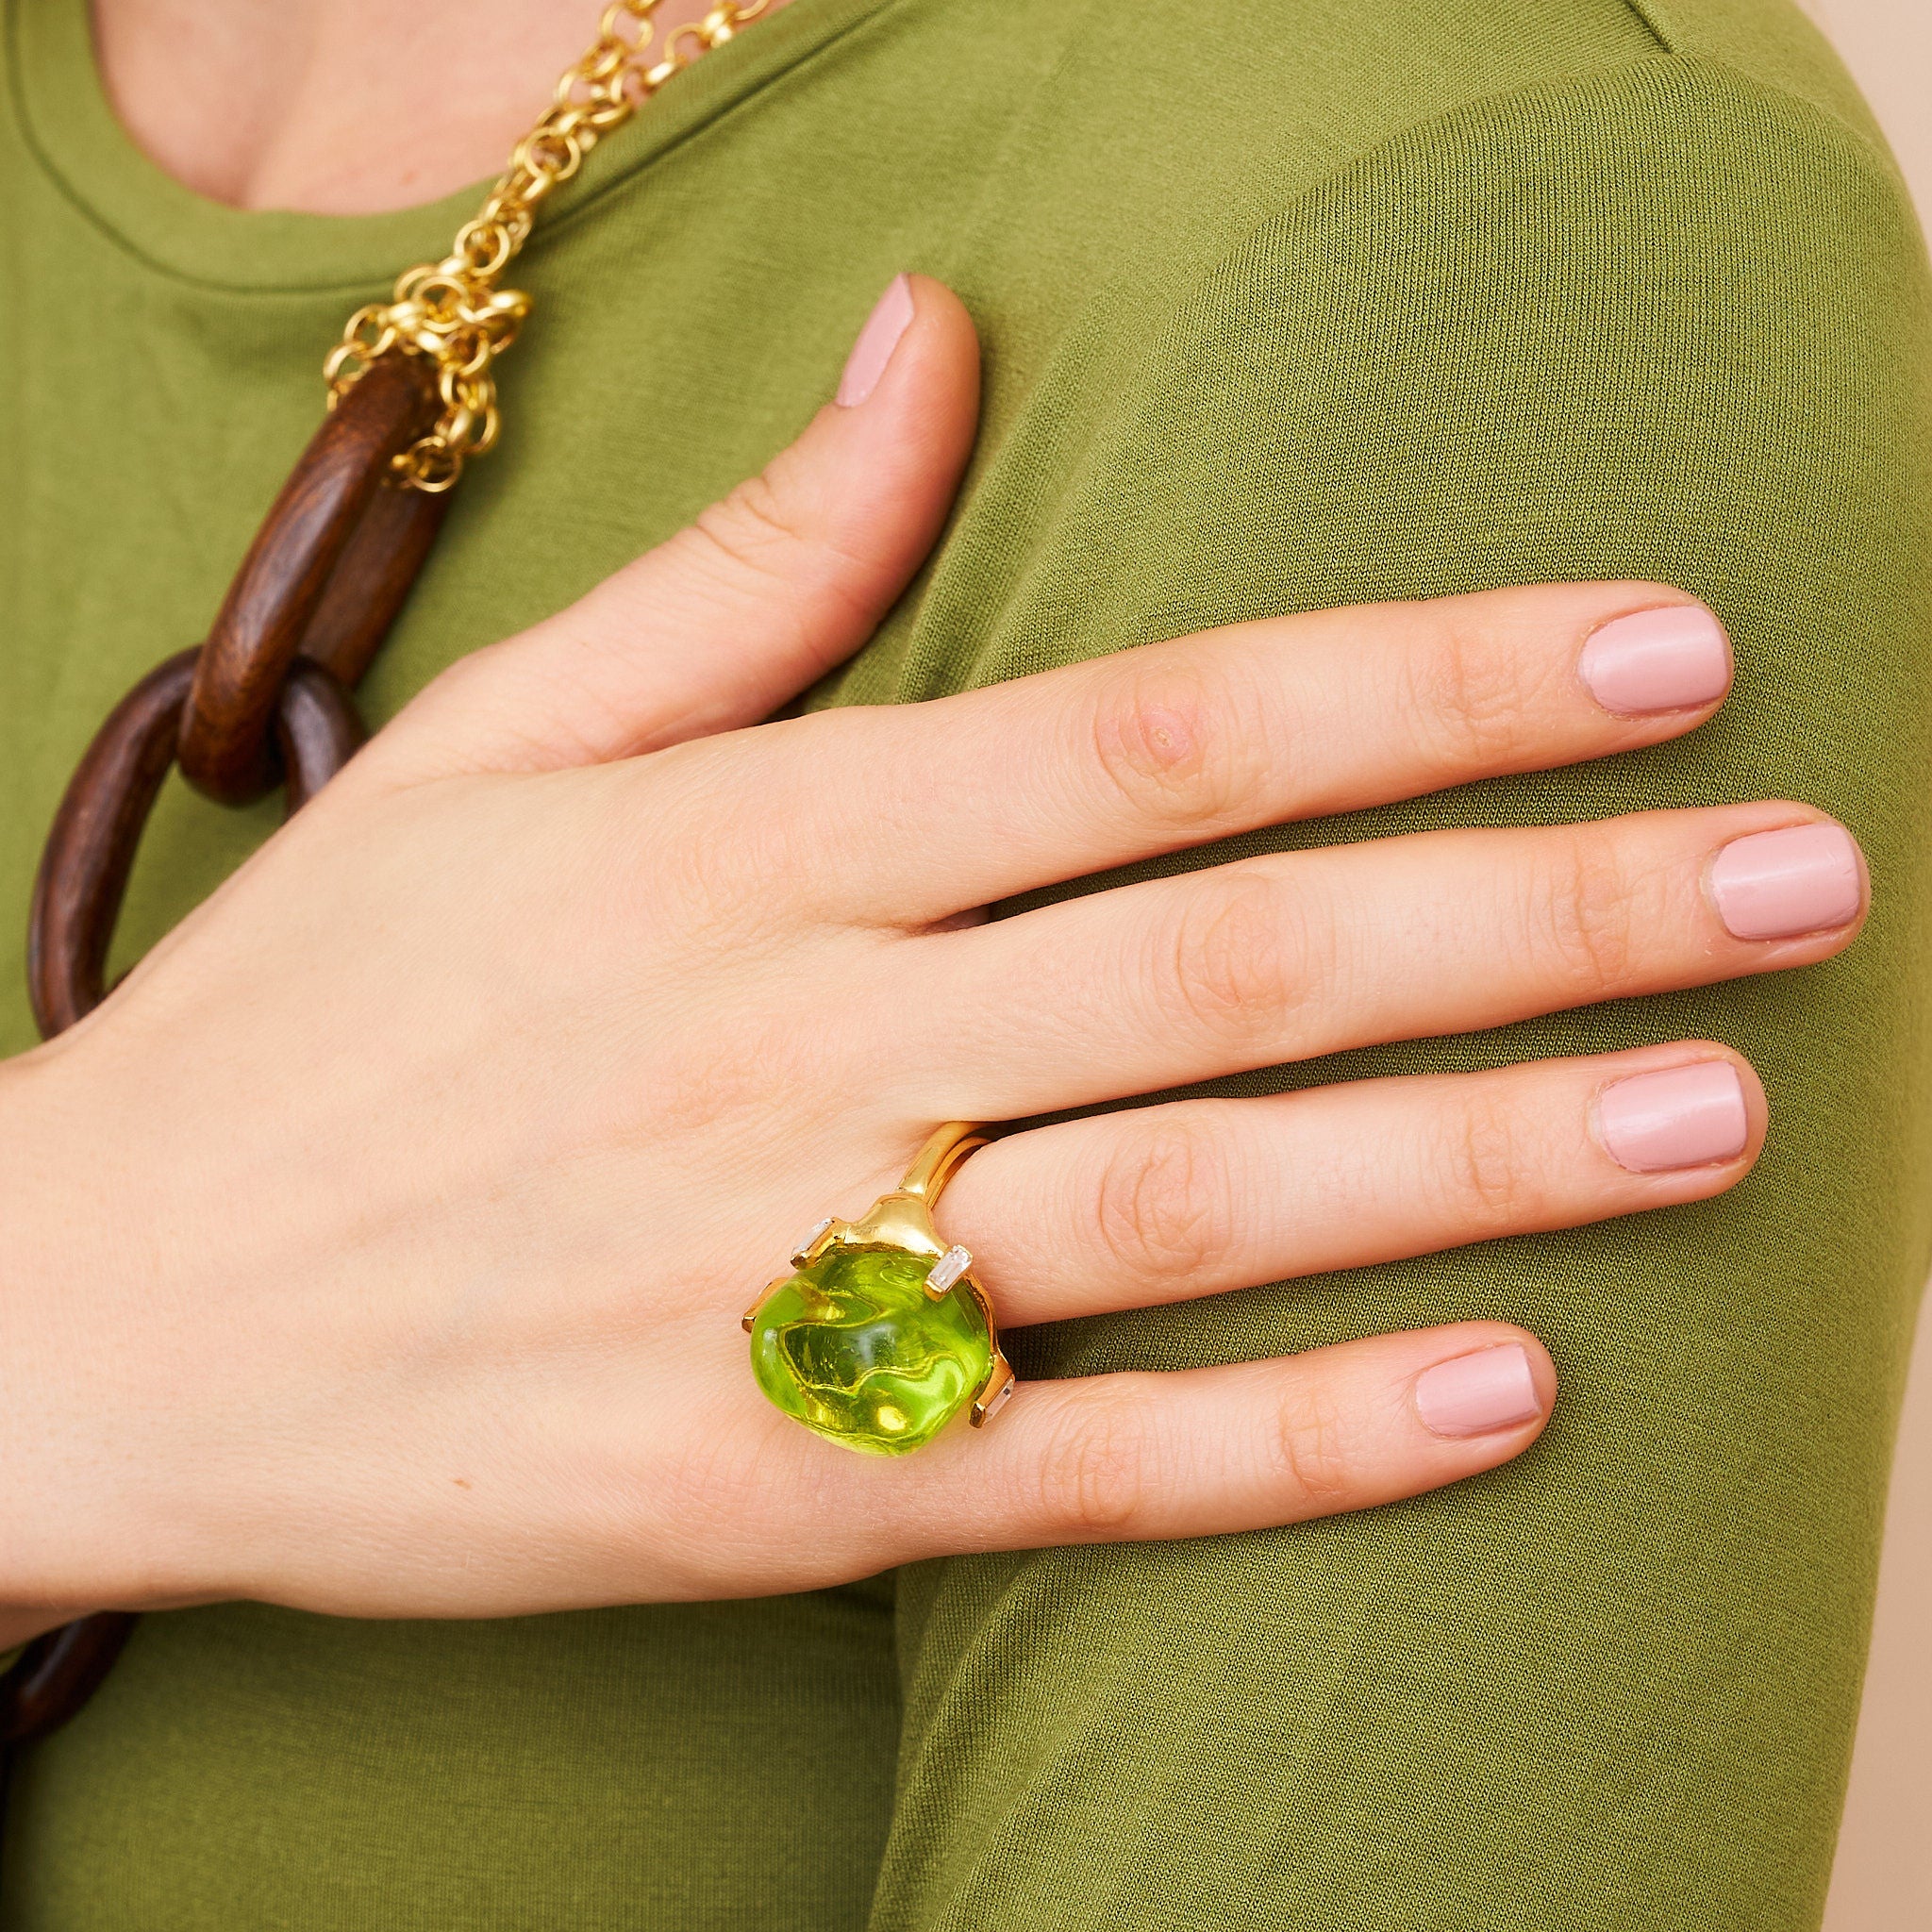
74,133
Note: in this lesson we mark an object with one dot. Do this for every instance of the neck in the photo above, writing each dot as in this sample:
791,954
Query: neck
339,106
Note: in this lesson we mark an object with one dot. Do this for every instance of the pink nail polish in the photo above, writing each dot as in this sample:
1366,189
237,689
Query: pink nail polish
1657,660
1475,1394
1683,1117
877,341
1775,885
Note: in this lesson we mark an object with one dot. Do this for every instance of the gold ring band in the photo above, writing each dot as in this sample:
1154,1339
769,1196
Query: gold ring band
882,1333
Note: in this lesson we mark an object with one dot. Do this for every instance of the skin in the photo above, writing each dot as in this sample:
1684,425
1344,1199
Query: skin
340,106
378,1249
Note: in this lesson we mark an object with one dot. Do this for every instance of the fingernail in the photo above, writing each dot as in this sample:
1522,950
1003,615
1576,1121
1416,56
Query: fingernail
1684,1117
1775,885
1657,660
1475,1394
875,344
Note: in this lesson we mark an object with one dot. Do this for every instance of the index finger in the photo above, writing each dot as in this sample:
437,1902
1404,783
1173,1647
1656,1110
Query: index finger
1156,749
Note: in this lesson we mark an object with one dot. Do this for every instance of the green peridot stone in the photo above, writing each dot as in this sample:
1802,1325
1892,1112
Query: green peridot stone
853,1348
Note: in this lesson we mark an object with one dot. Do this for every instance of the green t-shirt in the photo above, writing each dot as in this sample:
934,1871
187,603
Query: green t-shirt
1286,303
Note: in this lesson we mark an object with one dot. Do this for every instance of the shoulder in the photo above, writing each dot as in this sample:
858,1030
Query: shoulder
1166,138
1648,312
1770,42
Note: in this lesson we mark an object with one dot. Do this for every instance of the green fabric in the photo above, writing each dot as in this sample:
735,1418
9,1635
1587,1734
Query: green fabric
1286,303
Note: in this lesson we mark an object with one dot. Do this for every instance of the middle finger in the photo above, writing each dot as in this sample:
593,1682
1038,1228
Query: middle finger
1295,955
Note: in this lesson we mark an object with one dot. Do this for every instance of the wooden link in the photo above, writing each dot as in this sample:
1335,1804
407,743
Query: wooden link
333,561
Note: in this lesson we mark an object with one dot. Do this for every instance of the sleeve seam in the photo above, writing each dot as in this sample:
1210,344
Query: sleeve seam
1648,16
1858,145
1657,22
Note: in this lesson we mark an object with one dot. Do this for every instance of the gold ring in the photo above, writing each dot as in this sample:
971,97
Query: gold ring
882,1335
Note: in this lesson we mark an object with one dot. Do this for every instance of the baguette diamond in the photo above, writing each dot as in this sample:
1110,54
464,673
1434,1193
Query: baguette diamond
999,1402
946,1271
804,1248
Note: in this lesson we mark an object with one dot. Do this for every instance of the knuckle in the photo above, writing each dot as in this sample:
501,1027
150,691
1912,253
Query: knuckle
1242,958
710,868
780,537
1315,1449
1487,1177
1094,1475
1468,695
712,850
1173,743
750,527
1163,1206
1582,916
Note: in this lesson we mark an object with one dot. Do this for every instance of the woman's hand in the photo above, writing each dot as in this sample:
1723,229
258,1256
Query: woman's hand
379,1248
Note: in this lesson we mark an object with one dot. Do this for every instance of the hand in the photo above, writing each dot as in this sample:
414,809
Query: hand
379,1247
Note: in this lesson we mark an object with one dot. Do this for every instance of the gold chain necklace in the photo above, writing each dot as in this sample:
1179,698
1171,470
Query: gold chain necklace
265,700
452,310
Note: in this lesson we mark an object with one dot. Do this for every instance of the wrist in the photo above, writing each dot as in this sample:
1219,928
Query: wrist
78,1528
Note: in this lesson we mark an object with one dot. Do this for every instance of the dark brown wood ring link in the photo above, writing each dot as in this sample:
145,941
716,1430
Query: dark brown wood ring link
326,576
58,1673
90,851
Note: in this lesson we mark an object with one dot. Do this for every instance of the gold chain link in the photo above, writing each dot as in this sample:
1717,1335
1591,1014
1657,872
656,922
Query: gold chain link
452,310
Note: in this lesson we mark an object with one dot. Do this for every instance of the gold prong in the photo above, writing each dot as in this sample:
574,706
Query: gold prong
996,1393
751,1314
808,1250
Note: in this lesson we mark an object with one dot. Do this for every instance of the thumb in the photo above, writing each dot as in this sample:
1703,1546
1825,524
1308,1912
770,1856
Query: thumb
768,590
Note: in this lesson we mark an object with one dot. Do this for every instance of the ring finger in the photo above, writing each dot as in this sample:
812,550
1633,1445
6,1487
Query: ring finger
1196,1197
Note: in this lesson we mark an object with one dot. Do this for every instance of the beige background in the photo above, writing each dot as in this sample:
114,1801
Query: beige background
1883,1880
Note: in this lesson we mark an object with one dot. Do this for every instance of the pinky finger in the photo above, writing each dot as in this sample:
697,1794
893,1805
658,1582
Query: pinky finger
1201,1452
